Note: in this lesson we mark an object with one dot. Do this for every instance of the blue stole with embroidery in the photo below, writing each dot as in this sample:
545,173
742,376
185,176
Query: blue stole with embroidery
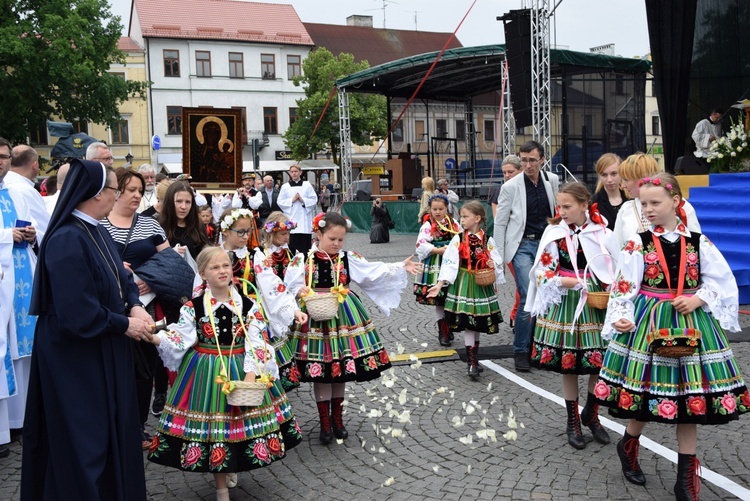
25,323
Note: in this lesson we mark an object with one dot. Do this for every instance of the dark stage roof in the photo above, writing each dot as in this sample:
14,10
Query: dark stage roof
470,71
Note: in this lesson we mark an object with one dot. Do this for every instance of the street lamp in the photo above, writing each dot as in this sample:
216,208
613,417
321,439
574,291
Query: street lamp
128,158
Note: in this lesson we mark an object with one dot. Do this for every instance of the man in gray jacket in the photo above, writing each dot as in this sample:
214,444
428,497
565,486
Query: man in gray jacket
524,204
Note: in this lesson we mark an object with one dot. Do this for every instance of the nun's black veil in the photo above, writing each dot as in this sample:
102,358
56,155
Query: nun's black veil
85,180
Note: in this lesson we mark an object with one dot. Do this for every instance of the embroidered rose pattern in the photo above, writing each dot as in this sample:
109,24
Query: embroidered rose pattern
260,452
602,390
191,455
350,367
383,355
275,447
568,361
696,406
630,247
218,457
692,273
666,409
314,370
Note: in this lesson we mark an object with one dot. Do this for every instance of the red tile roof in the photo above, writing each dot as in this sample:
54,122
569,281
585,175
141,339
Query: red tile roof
127,44
376,45
221,20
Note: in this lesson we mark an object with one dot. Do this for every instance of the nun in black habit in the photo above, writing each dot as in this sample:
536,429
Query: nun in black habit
82,436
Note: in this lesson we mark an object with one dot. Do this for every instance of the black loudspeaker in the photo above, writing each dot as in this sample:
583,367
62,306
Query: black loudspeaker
517,24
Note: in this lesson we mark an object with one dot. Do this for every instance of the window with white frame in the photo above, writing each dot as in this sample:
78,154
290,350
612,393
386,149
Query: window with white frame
120,131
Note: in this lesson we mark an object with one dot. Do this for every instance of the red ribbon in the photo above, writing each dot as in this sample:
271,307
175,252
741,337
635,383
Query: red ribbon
681,212
595,215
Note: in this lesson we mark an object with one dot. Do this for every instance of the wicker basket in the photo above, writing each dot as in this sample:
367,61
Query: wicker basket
598,300
672,342
322,306
248,394
483,277
595,299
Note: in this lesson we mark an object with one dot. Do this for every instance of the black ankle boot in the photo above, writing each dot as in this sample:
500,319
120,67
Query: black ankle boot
590,418
471,361
337,407
575,435
688,483
444,333
476,352
627,450
326,431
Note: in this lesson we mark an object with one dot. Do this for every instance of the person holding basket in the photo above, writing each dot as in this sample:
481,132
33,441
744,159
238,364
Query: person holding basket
339,343
213,420
572,270
669,360
473,268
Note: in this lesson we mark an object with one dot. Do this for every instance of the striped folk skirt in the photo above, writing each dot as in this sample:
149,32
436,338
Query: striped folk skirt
345,348
199,431
556,348
469,306
429,277
704,388
285,360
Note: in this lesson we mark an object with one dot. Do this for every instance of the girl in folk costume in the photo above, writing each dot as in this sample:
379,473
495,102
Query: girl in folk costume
236,226
348,347
275,258
469,306
436,232
673,288
220,337
567,338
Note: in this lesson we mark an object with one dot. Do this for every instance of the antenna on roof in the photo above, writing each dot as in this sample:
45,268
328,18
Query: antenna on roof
416,28
386,3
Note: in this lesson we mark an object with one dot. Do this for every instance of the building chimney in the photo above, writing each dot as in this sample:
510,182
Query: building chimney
365,21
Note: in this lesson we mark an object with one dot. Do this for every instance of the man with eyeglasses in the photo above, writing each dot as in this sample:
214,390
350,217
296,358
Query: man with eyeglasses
100,152
524,204
17,235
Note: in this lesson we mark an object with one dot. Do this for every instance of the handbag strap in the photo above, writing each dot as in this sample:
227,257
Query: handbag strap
130,233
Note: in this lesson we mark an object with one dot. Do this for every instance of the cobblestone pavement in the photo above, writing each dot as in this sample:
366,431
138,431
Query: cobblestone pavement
428,432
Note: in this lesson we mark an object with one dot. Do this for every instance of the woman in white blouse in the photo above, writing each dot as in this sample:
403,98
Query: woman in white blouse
630,218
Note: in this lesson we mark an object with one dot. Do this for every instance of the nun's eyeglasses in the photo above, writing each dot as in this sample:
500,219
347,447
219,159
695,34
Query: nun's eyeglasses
117,192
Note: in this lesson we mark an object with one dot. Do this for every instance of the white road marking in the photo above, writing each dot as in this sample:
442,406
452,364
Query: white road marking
709,475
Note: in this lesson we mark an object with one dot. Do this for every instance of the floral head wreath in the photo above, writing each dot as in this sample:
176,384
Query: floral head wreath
655,181
319,222
438,196
273,227
231,218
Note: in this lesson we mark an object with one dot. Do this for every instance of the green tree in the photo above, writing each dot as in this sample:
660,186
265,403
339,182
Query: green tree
367,112
54,56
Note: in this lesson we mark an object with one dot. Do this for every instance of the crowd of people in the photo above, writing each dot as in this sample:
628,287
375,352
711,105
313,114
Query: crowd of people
127,294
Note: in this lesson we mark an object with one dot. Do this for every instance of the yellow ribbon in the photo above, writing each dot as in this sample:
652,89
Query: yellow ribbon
340,292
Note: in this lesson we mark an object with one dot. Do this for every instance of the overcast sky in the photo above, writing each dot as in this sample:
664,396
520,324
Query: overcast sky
577,24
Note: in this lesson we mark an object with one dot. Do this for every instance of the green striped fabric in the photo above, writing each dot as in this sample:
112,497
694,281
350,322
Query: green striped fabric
555,348
429,277
471,306
323,350
703,388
